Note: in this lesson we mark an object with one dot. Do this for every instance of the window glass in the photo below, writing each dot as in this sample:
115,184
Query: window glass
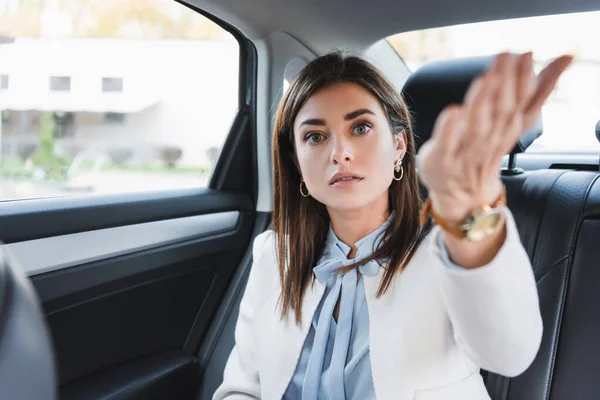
60,83
573,110
112,84
111,96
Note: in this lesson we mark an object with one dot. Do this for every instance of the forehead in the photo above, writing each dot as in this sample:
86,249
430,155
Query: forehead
336,100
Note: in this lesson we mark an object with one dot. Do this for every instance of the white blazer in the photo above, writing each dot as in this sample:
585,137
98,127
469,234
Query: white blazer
430,333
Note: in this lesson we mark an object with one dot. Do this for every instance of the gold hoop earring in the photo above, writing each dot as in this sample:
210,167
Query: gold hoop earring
301,192
398,168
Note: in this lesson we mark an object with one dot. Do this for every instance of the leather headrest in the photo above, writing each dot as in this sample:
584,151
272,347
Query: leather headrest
438,84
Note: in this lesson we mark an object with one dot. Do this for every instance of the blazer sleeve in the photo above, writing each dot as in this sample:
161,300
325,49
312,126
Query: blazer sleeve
240,378
494,310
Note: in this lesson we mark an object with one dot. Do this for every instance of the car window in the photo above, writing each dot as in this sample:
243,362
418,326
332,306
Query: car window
111,96
573,110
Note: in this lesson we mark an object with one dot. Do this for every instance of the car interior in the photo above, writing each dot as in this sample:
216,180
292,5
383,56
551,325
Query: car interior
135,295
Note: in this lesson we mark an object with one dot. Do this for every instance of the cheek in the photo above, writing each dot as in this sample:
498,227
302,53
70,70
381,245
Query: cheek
307,161
381,155
383,169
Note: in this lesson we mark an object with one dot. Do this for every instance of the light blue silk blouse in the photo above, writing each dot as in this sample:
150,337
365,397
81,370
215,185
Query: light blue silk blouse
335,362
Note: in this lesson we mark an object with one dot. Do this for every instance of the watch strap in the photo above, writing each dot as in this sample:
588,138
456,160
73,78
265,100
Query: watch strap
453,228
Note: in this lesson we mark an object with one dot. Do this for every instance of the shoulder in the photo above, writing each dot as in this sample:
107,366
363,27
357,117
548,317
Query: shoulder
265,244
264,258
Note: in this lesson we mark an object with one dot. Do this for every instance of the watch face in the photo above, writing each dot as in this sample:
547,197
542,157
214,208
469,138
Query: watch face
483,225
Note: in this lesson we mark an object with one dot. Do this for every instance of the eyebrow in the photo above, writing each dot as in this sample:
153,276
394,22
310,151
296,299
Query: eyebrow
357,113
347,117
313,121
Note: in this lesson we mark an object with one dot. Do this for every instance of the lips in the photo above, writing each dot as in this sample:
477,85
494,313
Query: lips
344,176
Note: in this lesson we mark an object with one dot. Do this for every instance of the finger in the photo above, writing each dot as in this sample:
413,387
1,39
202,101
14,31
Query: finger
475,91
464,146
449,127
480,117
479,110
546,82
493,114
505,135
505,99
526,80
516,90
513,131
476,88
495,67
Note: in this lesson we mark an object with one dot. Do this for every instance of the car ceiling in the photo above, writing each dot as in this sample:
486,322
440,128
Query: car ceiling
322,25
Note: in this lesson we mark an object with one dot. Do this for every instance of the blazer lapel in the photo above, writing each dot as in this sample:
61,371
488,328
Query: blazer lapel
285,340
375,307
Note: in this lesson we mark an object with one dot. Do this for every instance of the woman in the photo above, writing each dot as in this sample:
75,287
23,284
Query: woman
350,295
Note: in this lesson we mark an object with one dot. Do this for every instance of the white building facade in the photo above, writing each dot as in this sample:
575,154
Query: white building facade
133,97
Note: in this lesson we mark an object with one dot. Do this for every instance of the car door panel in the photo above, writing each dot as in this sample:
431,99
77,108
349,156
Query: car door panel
164,376
115,296
131,281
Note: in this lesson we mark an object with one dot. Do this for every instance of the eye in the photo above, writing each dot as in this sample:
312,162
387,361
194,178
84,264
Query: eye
362,129
314,138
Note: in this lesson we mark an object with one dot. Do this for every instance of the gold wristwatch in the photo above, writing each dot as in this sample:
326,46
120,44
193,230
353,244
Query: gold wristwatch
479,224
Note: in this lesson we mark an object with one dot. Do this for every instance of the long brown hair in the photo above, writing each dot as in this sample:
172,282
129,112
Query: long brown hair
302,224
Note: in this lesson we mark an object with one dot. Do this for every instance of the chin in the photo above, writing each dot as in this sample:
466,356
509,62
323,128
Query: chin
365,198
350,202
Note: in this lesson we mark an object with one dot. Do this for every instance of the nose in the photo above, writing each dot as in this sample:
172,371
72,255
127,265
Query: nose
341,152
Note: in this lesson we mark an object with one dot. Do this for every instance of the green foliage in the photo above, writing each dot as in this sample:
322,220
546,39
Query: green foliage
45,157
150,19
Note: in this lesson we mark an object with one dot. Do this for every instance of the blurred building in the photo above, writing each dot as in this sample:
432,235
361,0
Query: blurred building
127,97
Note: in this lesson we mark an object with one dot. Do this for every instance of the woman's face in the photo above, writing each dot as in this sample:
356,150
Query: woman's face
342,129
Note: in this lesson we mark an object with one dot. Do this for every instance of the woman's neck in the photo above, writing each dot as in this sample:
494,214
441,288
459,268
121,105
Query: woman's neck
352,225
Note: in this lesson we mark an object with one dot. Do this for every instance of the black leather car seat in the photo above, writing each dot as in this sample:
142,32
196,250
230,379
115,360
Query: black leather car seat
27,365
557,213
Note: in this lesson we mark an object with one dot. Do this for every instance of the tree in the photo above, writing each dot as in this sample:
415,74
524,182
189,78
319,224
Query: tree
44,156
422,46
24,21
140,19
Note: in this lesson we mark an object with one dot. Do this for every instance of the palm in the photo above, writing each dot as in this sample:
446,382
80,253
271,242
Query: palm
459,165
